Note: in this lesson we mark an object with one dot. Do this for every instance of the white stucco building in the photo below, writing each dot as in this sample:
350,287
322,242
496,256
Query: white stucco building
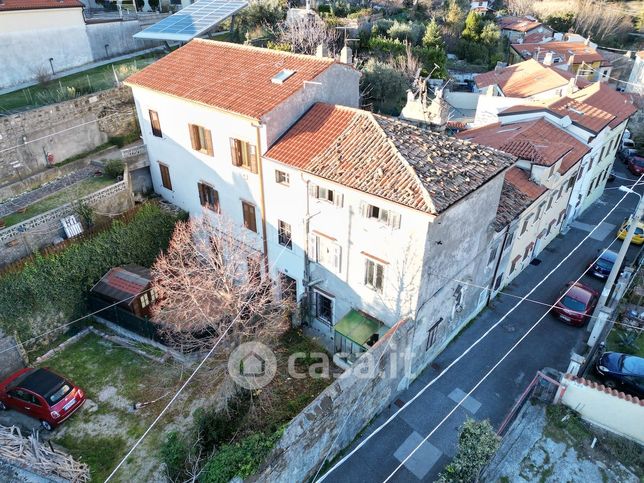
636,78
362,214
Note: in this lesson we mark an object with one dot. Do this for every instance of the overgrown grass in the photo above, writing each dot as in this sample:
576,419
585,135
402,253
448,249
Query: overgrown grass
67,195
92,80
99,452
614,342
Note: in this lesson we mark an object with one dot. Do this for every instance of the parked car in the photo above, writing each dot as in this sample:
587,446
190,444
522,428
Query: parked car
635,165
576,304
638,236
41,394
625,153
628,143
622,371
602,266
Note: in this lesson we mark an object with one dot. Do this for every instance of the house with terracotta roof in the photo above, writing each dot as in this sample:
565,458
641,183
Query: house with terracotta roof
596,115
580,58
518,28
636,77
371,219
536,191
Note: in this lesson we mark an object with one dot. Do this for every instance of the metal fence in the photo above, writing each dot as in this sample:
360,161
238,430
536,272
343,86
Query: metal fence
127,320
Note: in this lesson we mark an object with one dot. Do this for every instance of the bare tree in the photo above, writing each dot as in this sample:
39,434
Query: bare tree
600,20
305,33
211,283
521,7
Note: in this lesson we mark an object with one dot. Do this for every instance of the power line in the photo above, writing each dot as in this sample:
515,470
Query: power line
514,346
461,356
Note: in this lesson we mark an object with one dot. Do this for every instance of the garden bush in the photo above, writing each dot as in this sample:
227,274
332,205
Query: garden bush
382,26
174,453
50,289
384,85
410,31
214,427
383,45
114,168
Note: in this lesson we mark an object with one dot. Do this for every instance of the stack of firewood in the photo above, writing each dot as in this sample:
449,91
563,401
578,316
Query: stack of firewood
33,455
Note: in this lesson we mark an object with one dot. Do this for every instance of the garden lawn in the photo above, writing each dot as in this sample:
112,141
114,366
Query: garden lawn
67,195
114,378
86,82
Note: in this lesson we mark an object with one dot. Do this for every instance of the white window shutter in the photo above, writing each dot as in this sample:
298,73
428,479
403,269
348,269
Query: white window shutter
363,209
313,247
394,220
313,190
337,257
338,200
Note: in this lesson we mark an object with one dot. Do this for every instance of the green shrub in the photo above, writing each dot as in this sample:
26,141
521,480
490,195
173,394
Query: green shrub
50,289
382,26
430,57
174,453
240,459
114,168
412,32
120,141
477,443
384,85
387,46
214,428
324,9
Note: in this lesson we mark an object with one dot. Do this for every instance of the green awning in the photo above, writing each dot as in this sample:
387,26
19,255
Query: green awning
357,327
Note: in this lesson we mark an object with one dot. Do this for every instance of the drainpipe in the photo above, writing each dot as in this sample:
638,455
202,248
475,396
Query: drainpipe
262,199
305,250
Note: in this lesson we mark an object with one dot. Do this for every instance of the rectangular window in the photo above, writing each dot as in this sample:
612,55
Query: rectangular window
432,334
324,308
243,154
515,262
540,211
288,288
387,217
571,183
326,194
249,216
601,155
208,197
528,251
525,224
508,241
201,139
374,275
550,200
492,256
165,176
282,178
284,234
156,125
325,251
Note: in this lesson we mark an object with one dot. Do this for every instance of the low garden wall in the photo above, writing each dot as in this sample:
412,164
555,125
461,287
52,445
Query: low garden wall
342,410
605,407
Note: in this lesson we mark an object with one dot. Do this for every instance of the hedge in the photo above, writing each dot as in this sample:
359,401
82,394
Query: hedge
49,290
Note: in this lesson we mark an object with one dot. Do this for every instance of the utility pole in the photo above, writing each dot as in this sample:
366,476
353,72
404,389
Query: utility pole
639,212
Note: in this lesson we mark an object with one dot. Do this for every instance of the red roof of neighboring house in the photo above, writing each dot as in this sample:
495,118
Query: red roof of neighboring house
537,37
518,24
521,180
537,51
601,96
231,77
386,157
526,79
538,141
7,5
123,283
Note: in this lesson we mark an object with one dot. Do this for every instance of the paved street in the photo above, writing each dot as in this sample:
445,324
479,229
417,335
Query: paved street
549,345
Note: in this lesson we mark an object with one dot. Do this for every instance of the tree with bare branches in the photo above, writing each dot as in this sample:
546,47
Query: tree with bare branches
211,284
521,8
304,33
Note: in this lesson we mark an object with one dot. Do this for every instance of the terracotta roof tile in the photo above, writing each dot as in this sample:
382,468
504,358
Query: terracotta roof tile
520,179
538,141
231,77
7,5
518,24
386,157
511,204
537,51
602,97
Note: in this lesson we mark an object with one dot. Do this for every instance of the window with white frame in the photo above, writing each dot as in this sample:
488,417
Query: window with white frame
326,251
323,307
373,212
432,334
284,234
326,194
282,178
374,276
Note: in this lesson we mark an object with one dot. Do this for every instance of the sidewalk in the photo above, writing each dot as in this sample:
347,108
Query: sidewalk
549,345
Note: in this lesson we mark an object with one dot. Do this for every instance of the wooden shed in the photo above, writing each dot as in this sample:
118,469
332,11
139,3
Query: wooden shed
129,284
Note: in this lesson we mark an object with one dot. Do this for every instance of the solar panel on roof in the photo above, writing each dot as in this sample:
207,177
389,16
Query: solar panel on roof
193,20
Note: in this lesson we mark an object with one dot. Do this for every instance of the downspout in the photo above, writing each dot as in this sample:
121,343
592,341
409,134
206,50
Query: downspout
305,250
262,199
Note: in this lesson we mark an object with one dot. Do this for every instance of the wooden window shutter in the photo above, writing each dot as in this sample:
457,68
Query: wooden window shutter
313,247
215,201
394,220
202,194
252,154
208,146
337,257
194,137
233,152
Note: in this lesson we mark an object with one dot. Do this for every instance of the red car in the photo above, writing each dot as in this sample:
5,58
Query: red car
577,303
636,165
41,394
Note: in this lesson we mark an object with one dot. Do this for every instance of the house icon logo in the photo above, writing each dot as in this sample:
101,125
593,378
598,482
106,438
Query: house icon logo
252,365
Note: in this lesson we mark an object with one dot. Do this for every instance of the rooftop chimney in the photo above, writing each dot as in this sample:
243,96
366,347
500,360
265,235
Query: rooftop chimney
547,59
572,86
346,55
321,51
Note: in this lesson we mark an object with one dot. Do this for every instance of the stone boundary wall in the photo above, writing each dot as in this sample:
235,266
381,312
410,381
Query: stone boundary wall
11,357
63,130
23,239
342,410
609,408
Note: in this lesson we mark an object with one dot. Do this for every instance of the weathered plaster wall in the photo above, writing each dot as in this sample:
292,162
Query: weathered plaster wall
333,420
64,130
10,358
